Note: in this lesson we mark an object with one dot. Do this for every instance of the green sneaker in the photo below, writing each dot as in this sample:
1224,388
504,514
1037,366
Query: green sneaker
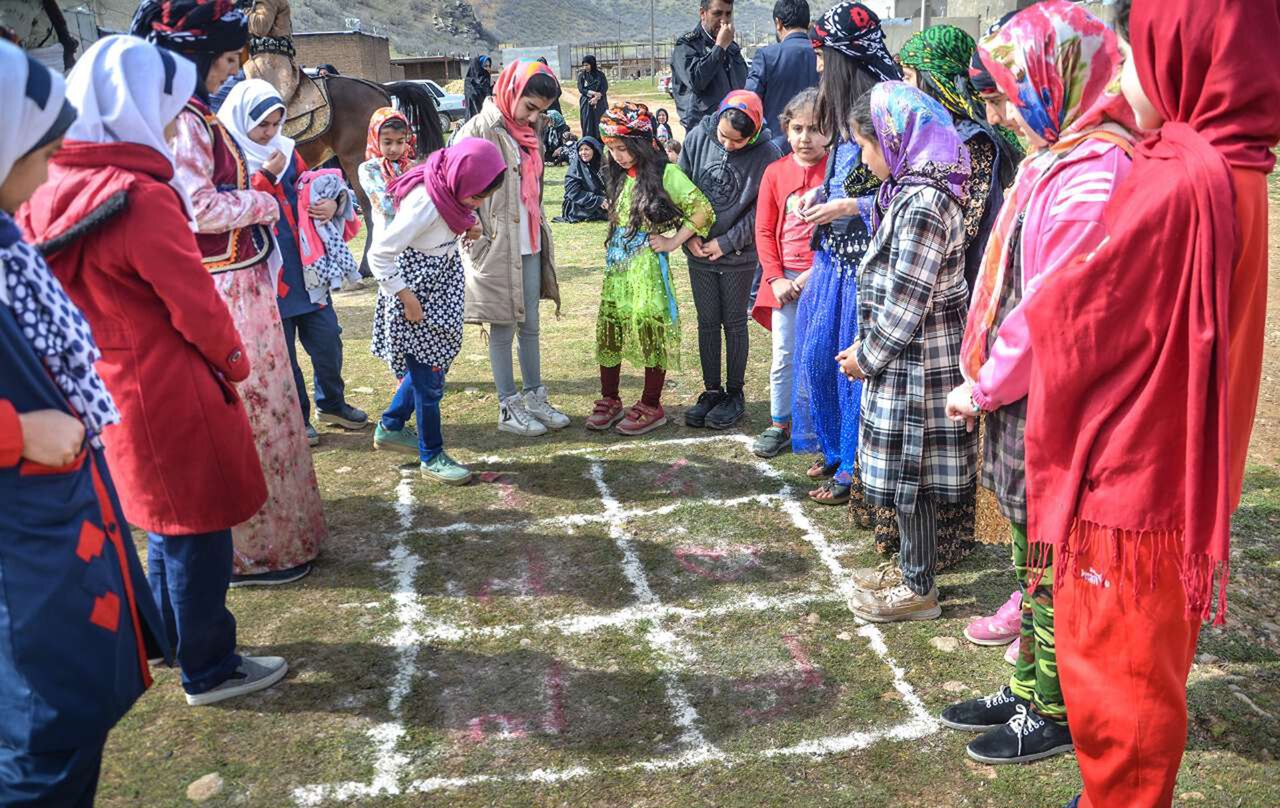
396,440
445,469
770,442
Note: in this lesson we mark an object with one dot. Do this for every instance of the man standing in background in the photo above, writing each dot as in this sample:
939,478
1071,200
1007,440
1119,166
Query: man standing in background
779,72
706,64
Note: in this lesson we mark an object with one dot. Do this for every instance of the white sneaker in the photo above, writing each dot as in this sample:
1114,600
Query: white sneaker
514,418
536,404
254,674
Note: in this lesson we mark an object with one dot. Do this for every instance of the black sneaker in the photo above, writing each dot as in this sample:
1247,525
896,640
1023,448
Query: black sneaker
275,578
984,712
347,417
728,412
696,415
1026,737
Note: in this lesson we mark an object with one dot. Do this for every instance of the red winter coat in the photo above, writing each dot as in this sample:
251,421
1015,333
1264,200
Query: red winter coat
116,236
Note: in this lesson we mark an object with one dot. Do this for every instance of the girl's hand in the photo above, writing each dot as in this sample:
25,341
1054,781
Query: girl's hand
960,406
783,290
412,308
662,244
809,200
848,362
802,280
275,162
323,210
474,232
825,212
51,437
712,251
696,246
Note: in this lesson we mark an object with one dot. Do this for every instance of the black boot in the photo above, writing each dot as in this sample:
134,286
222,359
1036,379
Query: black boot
728,412
1026,737
984,712
697,414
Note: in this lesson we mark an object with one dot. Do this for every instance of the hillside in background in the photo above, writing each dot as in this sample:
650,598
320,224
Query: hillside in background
419,27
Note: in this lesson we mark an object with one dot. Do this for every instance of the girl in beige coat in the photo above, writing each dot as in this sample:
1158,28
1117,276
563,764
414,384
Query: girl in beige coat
512,266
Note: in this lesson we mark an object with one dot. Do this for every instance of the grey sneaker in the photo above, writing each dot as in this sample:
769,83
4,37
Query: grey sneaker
895,605
254,674
396,440
874,579
536,404
313,437
514,418
770,442
444,469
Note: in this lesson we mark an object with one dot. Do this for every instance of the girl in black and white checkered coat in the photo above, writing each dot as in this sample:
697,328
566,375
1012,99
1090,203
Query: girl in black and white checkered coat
911,314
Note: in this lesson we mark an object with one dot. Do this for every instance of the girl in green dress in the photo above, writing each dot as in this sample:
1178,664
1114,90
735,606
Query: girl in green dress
638,319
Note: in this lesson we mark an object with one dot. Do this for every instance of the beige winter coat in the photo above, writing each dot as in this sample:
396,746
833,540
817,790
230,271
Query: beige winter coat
495,289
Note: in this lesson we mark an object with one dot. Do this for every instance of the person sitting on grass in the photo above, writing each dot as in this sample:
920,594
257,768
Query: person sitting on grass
417,327
912,302
638,319
673,149
584,191
783,242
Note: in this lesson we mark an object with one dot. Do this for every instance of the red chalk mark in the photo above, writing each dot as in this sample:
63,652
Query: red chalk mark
490,476
784,692
685,487
507,490
728,564
507,726
532,579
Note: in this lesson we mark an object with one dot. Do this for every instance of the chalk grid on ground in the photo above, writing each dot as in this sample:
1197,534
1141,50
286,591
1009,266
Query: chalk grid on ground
414,629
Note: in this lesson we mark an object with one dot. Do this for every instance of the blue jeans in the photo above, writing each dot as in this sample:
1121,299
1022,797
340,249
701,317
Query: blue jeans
322,338
50,779
419,395
189,576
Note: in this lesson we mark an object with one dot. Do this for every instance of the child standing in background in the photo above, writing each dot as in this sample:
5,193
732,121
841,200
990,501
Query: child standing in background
389,152
786,257
417,328
638,319
253,113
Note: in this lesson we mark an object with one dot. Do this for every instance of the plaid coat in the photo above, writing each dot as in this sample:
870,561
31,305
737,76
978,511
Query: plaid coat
912,304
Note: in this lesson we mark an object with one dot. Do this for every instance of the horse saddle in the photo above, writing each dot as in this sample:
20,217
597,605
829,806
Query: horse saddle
309,114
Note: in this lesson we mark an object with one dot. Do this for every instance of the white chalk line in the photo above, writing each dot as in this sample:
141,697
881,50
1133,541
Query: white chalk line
389,762
617,447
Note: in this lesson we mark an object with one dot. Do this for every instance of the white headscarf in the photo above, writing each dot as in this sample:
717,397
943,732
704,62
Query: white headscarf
128,91
35,113
247,105
33,99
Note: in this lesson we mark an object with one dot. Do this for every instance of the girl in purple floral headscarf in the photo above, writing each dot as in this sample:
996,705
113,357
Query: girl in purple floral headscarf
911,314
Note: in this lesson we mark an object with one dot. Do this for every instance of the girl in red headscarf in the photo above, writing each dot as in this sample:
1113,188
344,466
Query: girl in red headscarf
1148,358
512,265
389,152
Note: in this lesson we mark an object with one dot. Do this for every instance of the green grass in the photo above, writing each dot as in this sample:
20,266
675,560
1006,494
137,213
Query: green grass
598,699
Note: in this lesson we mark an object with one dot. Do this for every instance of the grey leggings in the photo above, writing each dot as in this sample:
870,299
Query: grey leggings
918,552
721,301
501,335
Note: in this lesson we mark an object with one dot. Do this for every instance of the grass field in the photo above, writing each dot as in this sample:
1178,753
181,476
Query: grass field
603,622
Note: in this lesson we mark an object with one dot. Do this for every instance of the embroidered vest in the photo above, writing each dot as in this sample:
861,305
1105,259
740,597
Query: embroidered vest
241,247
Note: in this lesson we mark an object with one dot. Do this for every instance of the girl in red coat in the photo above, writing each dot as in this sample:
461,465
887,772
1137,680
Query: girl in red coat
183,452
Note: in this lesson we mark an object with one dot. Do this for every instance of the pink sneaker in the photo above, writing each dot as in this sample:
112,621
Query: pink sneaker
1011,655
1000,628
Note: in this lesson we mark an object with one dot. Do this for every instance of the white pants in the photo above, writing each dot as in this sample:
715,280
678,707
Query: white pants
782,373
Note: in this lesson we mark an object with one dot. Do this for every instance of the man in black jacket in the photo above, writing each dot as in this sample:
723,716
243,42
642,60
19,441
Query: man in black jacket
706,64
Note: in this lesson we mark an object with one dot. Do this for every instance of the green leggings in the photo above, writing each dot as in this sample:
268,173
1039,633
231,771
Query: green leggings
1035,676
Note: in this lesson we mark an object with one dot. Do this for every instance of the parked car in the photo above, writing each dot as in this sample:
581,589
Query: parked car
450,105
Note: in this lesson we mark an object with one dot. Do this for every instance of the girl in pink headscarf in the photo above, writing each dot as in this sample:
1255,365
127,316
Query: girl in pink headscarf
417,328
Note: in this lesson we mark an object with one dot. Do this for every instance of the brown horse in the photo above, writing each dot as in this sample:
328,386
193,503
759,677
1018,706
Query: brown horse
352,103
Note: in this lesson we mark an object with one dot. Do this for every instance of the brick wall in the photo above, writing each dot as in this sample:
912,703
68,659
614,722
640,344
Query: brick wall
354,54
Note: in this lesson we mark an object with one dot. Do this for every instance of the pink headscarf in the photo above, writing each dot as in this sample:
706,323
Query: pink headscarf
450,175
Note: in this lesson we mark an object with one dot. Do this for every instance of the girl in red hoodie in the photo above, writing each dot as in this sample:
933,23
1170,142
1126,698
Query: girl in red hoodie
782,242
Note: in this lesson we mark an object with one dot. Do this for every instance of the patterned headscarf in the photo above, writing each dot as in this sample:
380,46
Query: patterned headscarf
854,30
1060,66
626,120
747,103
979,76
373,148
192,26
919,141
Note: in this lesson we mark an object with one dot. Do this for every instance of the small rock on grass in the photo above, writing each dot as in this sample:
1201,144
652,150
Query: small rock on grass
206,788
1191,796
812,618
1206,659
947,645
844,636
362,390
955,687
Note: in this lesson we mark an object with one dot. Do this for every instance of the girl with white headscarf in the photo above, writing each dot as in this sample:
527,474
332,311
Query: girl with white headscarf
76,627
116,233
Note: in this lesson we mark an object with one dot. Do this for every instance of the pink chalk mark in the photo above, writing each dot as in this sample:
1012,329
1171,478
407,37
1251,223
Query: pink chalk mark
727,564
671,472
553,683
532,579
537,570
786,691
507,725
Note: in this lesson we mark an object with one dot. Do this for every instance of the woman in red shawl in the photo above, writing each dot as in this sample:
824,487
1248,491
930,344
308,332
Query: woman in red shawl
1143,397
